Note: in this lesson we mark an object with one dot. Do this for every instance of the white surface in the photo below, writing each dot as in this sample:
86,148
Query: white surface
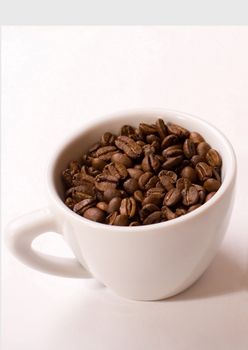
53,80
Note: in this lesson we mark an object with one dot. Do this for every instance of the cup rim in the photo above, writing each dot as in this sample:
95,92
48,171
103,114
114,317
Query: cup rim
229,176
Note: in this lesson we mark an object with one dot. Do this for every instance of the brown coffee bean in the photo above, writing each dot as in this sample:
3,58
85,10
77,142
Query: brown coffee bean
81,179
79,191
167,182
183,183
180,212
213,158
106,152
211,185
128,146
150,163
138,196
204,171
117,220
114,205
161,128
127,130
209,196
85,204
190,196
152,138
189,148
111,193
193,207
172,162
128,207
98,163
141,143
202,193
94,214
147,129
202,148
147,210
216,174
196,137
67,178
107,139
117,170
143,179
196,159
94,147
104,182
131,185
172,197
177,130
70,202
172,151
169,173
189,173
168,213
154,198
153,218
152,181
122,158
135,173
155,190
102,205
169,141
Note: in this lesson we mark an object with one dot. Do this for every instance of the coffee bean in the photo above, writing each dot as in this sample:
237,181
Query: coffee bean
196,159
178,130
172,197
147,209
150,163
111,193
117,170
127,130
135,173
154,198
128,146
213,158
180,212
106,152
104,182
168,213
169,173
211,185
167,182
209,196
107,139
80,179
183,183
216,174
172,151
131,185
67,178
161,128
155,190
138,196
196,137
204,171
152,138
201,192
189,173
102,205
117,220
128,207
193,207
189,148
85,204
202,148
98,163
153,218
152,181
94,147
70,202
114,205
122,158
169,141
94,214
172,162
143,179
147,128
190,196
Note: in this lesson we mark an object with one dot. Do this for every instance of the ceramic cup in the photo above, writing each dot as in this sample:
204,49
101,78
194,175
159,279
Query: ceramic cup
141,262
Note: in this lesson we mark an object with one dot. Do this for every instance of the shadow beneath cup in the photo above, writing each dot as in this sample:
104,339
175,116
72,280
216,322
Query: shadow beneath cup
225,275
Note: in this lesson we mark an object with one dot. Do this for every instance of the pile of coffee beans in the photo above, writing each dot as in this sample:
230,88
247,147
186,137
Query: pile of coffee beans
142,176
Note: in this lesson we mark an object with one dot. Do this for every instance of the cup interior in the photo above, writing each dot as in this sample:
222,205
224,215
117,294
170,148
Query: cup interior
76,145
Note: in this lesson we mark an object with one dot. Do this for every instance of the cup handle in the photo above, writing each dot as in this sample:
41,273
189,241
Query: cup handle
20,234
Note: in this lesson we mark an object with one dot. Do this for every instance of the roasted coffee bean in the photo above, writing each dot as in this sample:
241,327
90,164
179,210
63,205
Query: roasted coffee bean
128,207
108,139
161,128
177,130
183,183
150,163
152,138
209,196
211,185
80,179
189,173
94,214
204,171
147,210
168,213
143,179
202,148
111,193
117,220
153,218
131,185
94,147
172,162
102,205
148,149
114,205
79,193
196,159
67,177
122,158
70,202
172,197
147,129
103,182
85,204
180,212
193,207
196,137
138,196
152,181
216,174
106,152
169,173
172,151
169,141
154,198
92,171
128,146
190,196
135,173
141,143
189,148
213,158
138,166
127,130
202,193
155,190
167,182
117,170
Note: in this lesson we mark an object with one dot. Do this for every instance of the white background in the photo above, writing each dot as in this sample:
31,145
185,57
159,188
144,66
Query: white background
56,78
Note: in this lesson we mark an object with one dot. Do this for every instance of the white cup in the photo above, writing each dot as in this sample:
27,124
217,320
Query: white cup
141,262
